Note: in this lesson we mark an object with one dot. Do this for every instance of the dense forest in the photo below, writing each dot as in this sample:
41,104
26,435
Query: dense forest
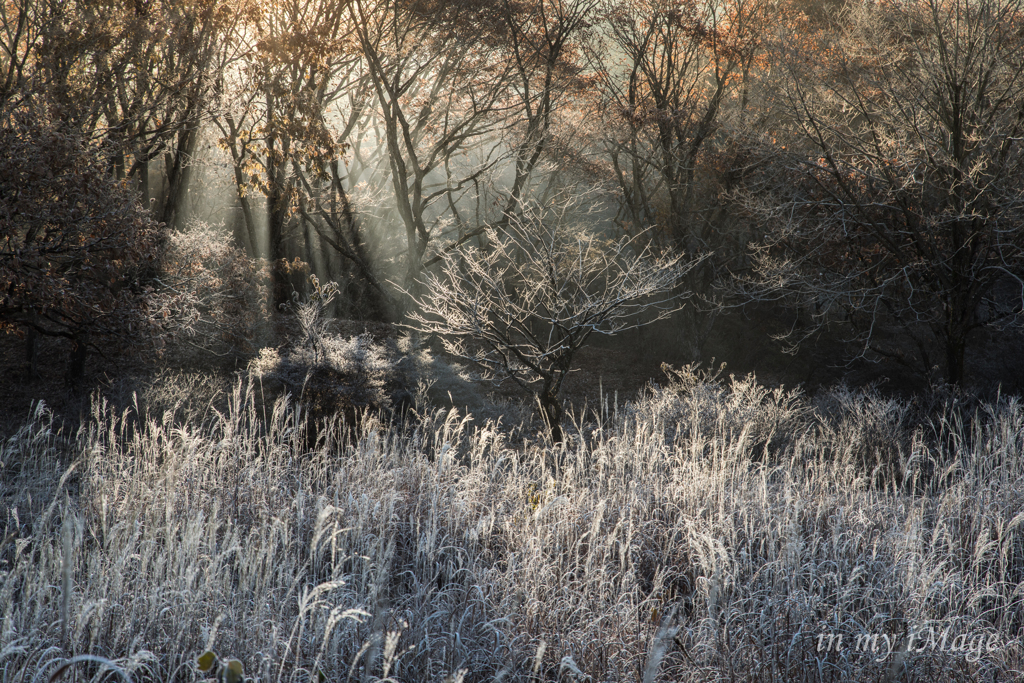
855,169
315,315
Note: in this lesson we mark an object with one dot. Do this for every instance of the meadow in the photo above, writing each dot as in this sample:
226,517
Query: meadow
712,530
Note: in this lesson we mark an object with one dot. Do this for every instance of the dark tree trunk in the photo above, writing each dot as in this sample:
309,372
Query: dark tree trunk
143,162
960,317
76,367
241,233
278,214
32,350
956,347
553,413
178,175
248,220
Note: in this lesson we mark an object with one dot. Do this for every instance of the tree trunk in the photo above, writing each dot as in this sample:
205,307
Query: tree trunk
277,204
32,348
277,210
143,161
76,367
178,175
241,232
956,347
249,221
552,413
960,316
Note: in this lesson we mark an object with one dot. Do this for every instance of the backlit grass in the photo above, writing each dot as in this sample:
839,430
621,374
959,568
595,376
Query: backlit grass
711,531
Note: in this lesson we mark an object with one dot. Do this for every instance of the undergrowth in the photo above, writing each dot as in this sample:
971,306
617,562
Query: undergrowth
710,531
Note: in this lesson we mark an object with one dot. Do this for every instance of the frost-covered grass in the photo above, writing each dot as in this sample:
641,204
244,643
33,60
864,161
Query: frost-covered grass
711,531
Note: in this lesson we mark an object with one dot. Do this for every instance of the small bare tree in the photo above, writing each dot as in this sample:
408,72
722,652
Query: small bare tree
523,306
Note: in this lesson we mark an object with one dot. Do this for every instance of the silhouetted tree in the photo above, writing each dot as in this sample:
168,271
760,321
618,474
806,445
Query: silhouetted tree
134,76
440,83
685,73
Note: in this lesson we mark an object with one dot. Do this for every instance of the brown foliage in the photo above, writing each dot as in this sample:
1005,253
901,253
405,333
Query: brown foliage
74,243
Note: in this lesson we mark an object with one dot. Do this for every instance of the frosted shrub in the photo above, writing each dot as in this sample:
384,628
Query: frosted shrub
697,408
211,297
334,376
874,431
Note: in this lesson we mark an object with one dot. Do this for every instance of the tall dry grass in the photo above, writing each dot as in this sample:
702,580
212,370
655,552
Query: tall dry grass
710,531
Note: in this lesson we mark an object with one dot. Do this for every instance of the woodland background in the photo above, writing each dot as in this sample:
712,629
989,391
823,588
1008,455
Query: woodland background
845,177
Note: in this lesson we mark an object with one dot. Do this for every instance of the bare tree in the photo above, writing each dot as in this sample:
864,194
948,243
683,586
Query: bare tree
440,83
543,41
296,60
135,76
20,35
522,309
895,205
684,64
684,68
